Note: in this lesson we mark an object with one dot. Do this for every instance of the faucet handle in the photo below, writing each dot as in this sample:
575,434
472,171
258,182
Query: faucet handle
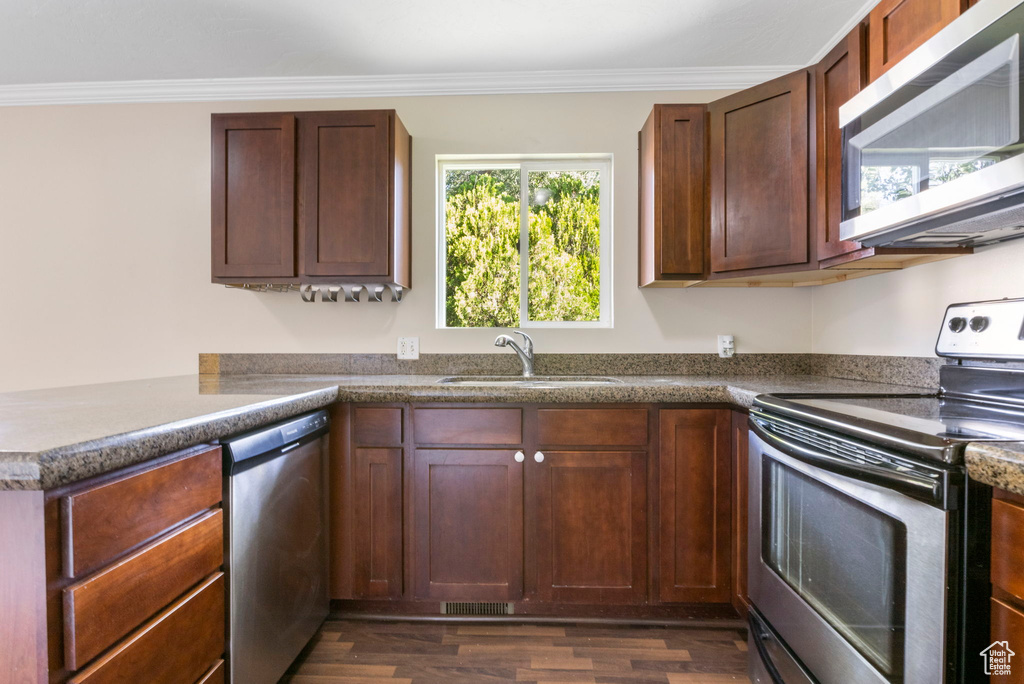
527,339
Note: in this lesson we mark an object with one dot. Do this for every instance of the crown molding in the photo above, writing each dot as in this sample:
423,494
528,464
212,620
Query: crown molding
841,33
315,87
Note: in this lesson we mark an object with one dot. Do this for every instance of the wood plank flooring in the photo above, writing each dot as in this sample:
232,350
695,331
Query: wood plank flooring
349,651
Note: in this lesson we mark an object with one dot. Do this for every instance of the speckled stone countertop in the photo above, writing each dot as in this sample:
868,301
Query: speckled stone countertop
56,436
1000,464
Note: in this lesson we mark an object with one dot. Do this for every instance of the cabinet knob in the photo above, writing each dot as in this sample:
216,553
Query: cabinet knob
538,457
520,457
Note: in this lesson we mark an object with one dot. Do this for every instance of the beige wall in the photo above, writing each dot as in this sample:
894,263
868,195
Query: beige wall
900,313
104,243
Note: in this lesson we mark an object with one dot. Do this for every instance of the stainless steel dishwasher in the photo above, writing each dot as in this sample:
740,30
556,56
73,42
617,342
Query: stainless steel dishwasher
275,495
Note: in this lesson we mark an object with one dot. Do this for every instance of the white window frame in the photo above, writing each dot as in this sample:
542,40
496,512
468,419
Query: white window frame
602,163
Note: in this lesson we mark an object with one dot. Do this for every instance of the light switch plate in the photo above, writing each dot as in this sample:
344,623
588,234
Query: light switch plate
408,347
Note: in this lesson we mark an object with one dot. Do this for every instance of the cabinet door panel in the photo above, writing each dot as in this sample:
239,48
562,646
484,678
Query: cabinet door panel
468,517
740,454
344,216
759,176
695,490
897,27
838,77
672,194
377,523
591,516
253,207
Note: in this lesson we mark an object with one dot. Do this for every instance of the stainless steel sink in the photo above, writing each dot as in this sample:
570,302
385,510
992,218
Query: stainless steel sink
537,381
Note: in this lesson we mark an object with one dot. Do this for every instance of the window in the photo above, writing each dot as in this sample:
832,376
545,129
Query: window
524,242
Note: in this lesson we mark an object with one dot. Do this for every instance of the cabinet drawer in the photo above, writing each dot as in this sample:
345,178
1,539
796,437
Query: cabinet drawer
215,675
104,607
103,522
1008,547
592,427
178,645
1007,624
468,425
377,427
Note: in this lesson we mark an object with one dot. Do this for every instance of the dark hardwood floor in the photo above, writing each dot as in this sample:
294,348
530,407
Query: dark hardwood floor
348,651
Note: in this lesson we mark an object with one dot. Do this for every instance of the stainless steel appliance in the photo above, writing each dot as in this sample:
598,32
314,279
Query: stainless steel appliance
933,151
868,546
275,495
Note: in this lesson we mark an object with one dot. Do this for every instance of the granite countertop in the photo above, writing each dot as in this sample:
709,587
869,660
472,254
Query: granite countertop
56,436
1000,464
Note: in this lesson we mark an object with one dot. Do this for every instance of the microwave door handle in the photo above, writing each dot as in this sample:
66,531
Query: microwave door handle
912,484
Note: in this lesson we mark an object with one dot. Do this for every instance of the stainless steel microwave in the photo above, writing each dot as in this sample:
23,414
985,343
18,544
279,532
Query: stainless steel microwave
933,151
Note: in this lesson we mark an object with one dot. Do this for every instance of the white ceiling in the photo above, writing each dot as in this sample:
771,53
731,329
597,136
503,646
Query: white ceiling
63,41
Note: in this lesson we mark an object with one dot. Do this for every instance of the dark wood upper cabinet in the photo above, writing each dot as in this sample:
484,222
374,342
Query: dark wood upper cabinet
759,178
838,77
353,166
253,210
591,526
316,196
695,506
672,196
897,27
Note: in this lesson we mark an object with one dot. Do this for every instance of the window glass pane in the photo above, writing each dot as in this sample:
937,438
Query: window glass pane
565,246
482,248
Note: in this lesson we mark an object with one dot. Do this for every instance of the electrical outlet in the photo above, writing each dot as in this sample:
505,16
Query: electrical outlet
726,346
408,347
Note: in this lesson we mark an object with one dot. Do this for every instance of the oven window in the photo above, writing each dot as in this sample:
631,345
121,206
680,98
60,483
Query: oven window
846,559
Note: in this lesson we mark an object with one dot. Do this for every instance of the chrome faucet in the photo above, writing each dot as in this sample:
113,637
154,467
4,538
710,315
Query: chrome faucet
525,356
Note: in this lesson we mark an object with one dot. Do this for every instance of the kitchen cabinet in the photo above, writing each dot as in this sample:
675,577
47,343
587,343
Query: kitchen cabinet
695,506
366,493
468,517
118,577
253,212
555,508
1007,572
897,27
759,155
311,197
672,182
740,490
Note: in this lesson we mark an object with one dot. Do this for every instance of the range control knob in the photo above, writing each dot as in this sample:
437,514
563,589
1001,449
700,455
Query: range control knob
957,324
979,323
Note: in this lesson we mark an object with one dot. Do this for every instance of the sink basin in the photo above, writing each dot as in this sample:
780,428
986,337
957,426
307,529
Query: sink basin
540,381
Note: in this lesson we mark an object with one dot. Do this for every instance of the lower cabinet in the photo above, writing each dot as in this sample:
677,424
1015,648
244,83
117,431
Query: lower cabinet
1006,629
467,525
696,506
589,526
533,504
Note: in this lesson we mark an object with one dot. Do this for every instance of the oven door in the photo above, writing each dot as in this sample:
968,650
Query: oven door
850,575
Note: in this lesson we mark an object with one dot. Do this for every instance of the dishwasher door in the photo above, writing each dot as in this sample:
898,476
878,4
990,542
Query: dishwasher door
277,561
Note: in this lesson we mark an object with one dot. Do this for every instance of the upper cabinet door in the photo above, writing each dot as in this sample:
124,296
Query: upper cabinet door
253,217
346,193
672,195
838,78
897,27
759,176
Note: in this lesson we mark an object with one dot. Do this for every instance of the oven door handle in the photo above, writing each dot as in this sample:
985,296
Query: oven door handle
915,485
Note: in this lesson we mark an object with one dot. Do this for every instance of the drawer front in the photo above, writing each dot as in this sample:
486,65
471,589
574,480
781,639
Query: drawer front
215,675
104,607
380,427
468,426
1008,547
105,521
178,645
592,427
1007,624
